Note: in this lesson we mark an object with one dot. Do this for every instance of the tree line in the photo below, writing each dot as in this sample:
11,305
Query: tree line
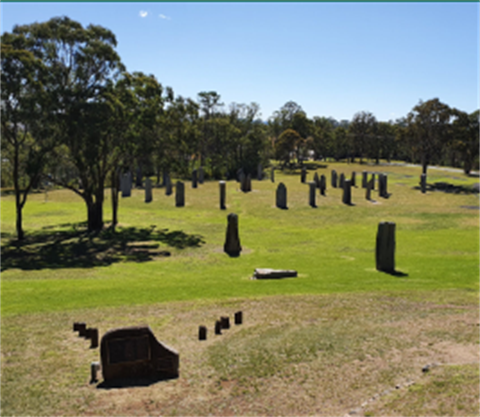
72,113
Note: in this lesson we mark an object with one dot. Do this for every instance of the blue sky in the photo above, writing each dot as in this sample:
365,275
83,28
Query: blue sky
333,59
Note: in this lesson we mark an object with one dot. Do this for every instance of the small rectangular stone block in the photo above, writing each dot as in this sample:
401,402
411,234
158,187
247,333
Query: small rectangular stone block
238,317
225,321
202,333
218,327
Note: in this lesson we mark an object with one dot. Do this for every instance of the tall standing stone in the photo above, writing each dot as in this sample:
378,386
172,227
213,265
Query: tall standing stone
194,179
364,179
232,240
201,175
385,248
323,184
342,180
248,183
373,181
259,172
316,180
347,192
303,175
334,178
148,190
382,186
125,185
423,183
180,194
281,199
353,178
138,181
272,174
368,192
223,192
168,185
311,194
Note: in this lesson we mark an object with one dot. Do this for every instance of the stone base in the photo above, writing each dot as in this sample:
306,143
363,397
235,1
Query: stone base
266,273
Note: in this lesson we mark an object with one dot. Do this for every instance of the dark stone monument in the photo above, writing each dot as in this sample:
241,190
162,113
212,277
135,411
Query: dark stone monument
249,183
92,334
259,172
238,317
364,179
218,327
168,185
82,330
223,192
368,193
202,333
373,181
323,184
347,193
311,194
316,180
77,326
94,368
148,190
125,185
180,194
194,179
232,240
334,178
353,179
382,186
385,248
201,175
225,322
342,180
134,352
246,183
423,183
281,199
303,175
138,181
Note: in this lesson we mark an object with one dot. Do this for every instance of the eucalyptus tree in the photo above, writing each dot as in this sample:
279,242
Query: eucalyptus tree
83,66
28,135
429,130
465,138
362,130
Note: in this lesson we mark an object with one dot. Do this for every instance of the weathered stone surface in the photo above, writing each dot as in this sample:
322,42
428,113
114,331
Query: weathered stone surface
347,192
311,194
341,182
232,240
364,179
126,184
368,192
266,273
134,352
423,183
303,175
385,247
168,185
194,179
353,179
373,181
148,190
259,172
180,194
382,186
201,175
281,196
323,184
334,178
246,183
223,194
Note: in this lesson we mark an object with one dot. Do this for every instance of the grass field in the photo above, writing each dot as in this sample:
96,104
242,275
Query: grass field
341,338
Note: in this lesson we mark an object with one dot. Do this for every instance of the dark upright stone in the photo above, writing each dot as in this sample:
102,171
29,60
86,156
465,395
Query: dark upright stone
423,183
385,248
148,190
232,240
202,333
347,192
180,194
353,179
323,184
201,175
334,178
168,185
364,179
281,196
342,180
316,180
194,179
259,172
368,192
311,194
223,192
238,317
303,175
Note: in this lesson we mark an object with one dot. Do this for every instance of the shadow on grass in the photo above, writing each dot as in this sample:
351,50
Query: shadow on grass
131,382
75,247
395,273
449,188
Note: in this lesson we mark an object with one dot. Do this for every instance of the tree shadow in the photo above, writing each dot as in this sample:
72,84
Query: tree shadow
449,188
75,247
395,273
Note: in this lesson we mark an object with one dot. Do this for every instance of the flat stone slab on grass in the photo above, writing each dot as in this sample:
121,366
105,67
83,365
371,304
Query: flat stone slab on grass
267,273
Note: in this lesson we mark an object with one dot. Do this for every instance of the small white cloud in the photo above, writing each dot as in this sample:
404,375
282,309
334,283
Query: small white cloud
143,13
162,16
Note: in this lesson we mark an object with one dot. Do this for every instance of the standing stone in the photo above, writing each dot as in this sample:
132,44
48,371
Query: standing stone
125,185
259,172
282,196
168,185
223,193
138,182
382,186
94,368
148,190
201,175
373,181
238,317
316,180
311,194
232,240
225,321
323,184
368,193
303,175
180,194
334,178
385,248
342,180
202,333
423,183
364,179
218,327
347,192
272,174
353,178
248,183
92,334
194,179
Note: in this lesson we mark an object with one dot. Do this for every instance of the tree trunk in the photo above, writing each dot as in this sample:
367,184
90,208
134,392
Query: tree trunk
114,190
467,166
20,234
16,185
95,212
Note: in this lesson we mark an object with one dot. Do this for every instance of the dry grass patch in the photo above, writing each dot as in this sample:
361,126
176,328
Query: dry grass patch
294,355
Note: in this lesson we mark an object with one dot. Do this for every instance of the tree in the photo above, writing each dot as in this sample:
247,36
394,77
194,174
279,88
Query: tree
28,135
285,145
465,133
363,130
83,65
428,129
